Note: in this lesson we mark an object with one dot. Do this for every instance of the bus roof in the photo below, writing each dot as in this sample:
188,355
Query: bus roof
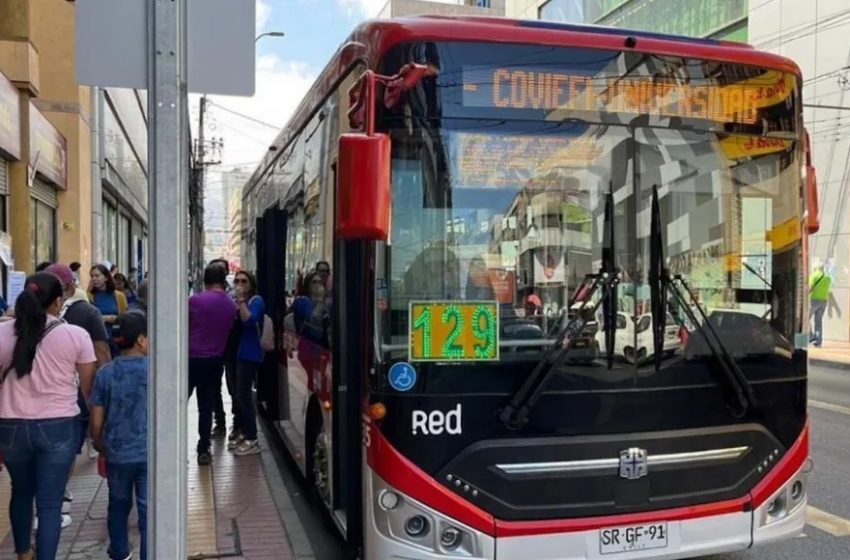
372,39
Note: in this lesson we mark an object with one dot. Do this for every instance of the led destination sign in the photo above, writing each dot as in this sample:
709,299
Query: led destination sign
453,331
531,88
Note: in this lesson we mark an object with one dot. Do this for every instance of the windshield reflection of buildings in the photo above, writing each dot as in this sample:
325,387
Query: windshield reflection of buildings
546,233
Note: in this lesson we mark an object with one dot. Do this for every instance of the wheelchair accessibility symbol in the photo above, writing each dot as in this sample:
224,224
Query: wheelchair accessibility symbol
402,376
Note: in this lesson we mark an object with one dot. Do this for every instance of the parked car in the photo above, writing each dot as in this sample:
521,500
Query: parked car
741,333
633,340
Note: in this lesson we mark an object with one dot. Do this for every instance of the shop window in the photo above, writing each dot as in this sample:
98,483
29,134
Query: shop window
43,232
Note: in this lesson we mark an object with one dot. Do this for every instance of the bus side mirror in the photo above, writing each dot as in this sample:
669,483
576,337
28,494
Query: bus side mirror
812,210
363,187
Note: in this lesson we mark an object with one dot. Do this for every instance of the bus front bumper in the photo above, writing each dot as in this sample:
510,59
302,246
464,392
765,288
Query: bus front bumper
388,536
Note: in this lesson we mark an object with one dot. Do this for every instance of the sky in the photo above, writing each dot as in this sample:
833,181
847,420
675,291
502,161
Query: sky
286,68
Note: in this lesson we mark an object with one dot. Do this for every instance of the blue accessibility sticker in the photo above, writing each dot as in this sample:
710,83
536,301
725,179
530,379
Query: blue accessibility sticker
402,376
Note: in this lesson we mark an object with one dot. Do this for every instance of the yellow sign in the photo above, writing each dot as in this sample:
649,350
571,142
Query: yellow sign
739,146
785,234
531,88
453,331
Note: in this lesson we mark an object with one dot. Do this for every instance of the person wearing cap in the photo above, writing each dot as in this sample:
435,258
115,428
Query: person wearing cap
119,429
76,310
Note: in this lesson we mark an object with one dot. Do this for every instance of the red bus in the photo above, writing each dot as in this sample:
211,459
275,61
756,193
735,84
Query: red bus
453,233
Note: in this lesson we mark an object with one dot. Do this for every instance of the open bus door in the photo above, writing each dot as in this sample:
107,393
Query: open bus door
271,260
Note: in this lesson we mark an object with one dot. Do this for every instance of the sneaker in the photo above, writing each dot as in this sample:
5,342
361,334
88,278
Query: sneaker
234,443
247,447
66,501
219,431
66,522
234,433
204,458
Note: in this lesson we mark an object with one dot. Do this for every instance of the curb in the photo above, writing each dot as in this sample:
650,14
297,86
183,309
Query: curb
298,540
829,364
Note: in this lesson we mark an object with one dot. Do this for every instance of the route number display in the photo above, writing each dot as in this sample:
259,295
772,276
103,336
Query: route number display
452,331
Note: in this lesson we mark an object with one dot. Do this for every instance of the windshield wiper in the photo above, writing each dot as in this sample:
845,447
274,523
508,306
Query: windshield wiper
660,283
515,414
768,287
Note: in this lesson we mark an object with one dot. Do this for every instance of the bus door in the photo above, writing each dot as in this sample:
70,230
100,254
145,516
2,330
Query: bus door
271,261
352,353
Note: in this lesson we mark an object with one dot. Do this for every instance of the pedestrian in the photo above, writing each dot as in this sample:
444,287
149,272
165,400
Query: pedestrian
41,360
75,268
119,426
109,301
211,317
249,357
220,417
76,310
820,285
141,303
42,266
123,285
310,314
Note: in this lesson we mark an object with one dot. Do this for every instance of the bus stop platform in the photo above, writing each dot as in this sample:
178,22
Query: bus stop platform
235,508
833,353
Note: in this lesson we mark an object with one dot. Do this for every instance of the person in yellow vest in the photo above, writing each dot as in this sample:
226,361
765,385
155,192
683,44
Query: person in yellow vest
820,284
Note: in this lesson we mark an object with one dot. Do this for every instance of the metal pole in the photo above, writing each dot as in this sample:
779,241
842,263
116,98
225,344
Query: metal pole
198,229
168,157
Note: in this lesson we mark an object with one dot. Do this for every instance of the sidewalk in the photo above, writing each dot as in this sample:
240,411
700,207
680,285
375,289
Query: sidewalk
231,513
832,353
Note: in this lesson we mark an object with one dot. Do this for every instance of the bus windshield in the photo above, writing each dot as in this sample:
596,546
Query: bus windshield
499,177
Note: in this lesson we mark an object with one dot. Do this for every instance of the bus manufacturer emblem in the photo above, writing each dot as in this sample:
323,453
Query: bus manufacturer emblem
633,463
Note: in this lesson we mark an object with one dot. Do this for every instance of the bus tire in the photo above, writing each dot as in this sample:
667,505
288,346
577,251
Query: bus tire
318,477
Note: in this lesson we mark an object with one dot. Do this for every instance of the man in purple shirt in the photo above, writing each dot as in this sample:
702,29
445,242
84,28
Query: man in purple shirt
211,316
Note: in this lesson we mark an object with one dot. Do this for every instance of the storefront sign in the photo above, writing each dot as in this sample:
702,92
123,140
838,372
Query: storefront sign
48,150
10,119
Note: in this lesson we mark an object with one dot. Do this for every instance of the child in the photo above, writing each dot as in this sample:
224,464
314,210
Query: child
119,428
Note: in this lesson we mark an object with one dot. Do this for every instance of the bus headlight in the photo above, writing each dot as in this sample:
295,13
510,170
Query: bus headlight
405,520
785,502
451,537
416,526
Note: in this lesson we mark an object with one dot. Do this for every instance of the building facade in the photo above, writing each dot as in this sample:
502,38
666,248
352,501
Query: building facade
73,166
722,19
121,151
818,40
405,8
219,200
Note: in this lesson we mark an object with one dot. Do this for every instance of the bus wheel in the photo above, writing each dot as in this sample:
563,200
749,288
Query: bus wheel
319,467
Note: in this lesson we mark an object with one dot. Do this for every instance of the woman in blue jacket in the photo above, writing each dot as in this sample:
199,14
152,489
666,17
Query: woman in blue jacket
249,357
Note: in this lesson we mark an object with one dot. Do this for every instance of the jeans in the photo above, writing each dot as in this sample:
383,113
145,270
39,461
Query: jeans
39,455
230,380
123,479
205,376
818,308
246,372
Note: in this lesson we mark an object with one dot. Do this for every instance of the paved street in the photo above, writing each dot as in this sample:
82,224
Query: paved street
826,538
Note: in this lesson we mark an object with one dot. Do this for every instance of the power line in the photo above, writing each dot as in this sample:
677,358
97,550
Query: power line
246,117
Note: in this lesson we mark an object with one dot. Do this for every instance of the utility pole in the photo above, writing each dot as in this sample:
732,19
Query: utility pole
168,155
203,149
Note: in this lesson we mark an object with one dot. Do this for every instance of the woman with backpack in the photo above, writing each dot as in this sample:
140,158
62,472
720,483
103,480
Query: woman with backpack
249,358
41,360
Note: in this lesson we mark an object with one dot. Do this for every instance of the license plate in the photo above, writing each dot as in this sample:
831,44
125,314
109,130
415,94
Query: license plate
616,540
